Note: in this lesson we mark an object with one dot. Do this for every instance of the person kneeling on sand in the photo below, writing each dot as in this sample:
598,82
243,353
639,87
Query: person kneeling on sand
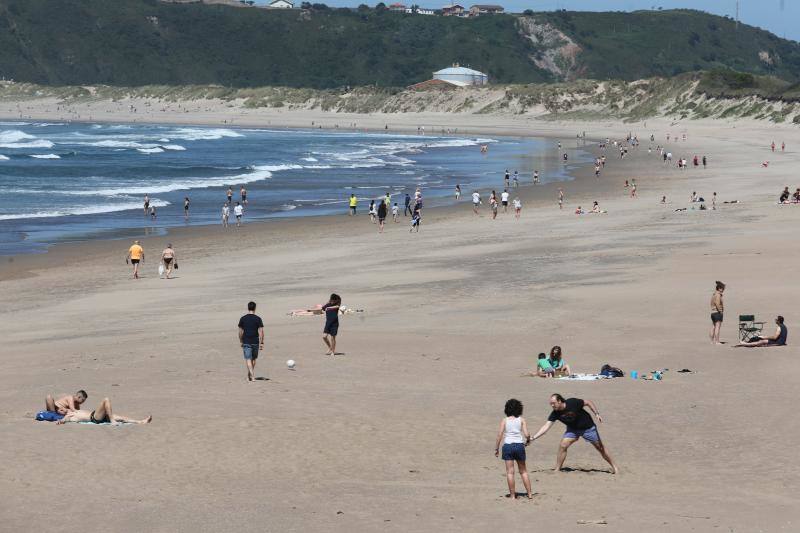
579,424
66,403
777,339
543,368
101,415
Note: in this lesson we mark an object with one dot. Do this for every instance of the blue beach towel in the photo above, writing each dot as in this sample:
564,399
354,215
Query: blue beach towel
48,416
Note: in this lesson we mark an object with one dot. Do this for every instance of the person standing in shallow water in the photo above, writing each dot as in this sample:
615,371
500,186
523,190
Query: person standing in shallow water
717,310
514,437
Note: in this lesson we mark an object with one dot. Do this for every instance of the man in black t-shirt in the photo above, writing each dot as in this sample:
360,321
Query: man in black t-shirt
251,338
579,424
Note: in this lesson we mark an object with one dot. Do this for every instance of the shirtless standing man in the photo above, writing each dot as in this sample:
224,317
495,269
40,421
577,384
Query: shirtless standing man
717,309
135,255
66,403
103,414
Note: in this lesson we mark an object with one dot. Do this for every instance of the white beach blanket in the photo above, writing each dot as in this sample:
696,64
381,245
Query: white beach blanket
584,377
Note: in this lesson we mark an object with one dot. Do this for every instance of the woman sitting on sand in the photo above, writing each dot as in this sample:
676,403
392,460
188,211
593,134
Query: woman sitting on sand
559,365
596,209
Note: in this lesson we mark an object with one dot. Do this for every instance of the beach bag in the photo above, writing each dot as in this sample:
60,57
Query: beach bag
611,371
48,416
160,269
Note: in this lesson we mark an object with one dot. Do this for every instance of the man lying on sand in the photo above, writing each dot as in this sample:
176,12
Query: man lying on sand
778,339
65,403
101,415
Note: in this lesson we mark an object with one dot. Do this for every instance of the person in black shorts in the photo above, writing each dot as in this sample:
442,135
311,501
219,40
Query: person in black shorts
251,338
331,310
579,425
102,415
186,207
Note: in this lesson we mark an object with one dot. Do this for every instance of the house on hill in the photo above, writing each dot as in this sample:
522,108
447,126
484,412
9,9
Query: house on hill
461,76
454,10
485,9
280,4
398,7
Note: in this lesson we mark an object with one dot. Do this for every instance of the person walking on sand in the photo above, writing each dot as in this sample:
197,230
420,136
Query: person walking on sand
717,309
66,403
102,415
238,211
331,330
353,205
535,177
571,412
396,213
517,207
476,201
493,204
146,205
408,210
416,220
381,216
514,437
633,189
169,259
560,198
504,199
251,338
226,213
186,208
372,211
135,255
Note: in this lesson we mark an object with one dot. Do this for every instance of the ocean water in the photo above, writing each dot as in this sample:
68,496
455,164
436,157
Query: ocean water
72,182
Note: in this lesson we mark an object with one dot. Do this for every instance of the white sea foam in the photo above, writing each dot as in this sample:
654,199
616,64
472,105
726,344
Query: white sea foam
3,157
257,173
202,134
20,139
288,207
155,150
310,159
177,147
46,156
84,210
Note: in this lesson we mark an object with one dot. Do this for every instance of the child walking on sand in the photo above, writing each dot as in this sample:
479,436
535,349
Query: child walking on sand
331,310
514,437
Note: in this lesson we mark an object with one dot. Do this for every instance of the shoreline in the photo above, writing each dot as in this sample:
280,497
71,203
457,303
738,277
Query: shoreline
18,265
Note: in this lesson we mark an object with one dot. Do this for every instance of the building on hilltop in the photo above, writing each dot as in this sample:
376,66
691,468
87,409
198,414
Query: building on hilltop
400,8
281,4
461,76
485,9
454,10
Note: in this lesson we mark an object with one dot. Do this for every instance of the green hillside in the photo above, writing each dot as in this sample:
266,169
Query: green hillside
144,42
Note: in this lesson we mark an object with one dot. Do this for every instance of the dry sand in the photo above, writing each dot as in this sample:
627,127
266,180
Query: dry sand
398,433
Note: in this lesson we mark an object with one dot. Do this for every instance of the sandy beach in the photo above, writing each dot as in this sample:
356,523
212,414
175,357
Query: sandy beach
398,433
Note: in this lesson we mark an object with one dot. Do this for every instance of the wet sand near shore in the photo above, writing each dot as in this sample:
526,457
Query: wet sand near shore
398,433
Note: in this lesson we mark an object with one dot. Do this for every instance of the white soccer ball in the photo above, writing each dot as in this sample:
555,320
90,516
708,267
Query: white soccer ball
290,364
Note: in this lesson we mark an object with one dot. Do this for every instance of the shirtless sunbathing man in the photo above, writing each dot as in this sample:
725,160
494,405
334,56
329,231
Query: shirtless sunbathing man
66,403
101,415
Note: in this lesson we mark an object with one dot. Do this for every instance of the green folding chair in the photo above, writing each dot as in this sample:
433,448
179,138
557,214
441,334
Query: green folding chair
749,328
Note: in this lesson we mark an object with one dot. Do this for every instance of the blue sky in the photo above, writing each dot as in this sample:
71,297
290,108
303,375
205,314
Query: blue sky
765,14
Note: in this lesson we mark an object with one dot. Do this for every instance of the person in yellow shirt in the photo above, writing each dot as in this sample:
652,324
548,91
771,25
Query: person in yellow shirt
135,255
353,204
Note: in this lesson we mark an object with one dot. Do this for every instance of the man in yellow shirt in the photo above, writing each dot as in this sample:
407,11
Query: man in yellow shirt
353,204
135,255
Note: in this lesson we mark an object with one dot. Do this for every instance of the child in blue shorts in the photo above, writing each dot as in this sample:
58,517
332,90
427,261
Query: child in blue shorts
514,437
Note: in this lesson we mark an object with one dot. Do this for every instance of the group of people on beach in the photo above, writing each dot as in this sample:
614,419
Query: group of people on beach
778,338
513,436
67,408
379,212
167,263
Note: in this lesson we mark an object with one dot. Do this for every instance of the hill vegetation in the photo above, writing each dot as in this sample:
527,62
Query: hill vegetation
147,42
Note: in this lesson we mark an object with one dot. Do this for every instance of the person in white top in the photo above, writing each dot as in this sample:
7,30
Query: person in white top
504,200
514,436
395,212
476,201
226,212
238,211
517,207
